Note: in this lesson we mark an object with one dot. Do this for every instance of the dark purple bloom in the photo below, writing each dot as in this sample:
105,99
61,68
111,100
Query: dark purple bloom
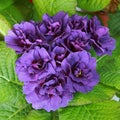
54,27
22,37
37,63
80,69
59,53
102,42
77,41
100,38
49,93
77,22
55,63
93,24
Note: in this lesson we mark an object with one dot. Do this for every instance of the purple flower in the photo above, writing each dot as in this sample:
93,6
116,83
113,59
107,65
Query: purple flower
55,63
77,41
102,42
77,22
37,63
54,27
49,93
93,24
22,37
80,69
100,38
59,53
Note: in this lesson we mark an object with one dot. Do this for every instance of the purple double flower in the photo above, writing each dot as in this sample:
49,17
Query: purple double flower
55,61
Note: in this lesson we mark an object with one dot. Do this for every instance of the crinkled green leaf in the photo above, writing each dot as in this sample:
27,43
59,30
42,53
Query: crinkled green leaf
5,3
13,105
109,110
22,112
4,25
25,8
92,5
12,14
53,6
114,23
38,115
110,72
99,93
7,64
35,15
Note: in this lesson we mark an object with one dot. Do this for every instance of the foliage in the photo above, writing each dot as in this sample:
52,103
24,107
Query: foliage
93,5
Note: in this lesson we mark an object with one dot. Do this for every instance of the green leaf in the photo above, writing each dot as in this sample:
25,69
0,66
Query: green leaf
25,8
5,3
114,23
4,25
13,105
109,110
92,5
38,115
12,14
35,15
99,93
11,98
7,64
53,6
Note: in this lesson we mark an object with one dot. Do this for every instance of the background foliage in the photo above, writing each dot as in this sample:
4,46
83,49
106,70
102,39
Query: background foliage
96,105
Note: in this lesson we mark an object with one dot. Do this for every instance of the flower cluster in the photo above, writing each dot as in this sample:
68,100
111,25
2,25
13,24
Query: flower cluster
55,61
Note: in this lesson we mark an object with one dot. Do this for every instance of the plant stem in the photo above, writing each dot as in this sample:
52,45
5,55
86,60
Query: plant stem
54,115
